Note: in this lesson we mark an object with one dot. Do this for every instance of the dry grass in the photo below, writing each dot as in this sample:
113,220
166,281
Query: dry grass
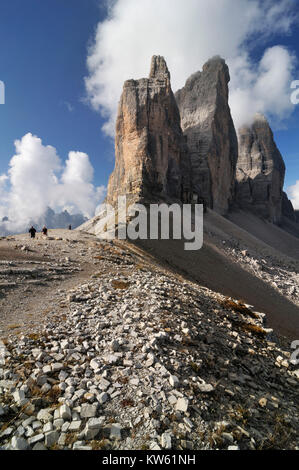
257,330
195,367
100,445
34,336
127,403
120,284
279,439
51,396
70,438
141,267
123,380
238,307
13,327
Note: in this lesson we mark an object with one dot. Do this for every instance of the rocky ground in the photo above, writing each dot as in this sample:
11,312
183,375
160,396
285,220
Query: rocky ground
141,358
280,273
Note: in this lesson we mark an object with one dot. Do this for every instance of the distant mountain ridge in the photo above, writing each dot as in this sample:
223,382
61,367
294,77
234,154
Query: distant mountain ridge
50,219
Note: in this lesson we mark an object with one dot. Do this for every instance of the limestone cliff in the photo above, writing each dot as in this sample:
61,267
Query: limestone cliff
151,157
260,171
287,208
211,138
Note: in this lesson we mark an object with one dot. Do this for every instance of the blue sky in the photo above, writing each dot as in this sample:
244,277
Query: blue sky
43,45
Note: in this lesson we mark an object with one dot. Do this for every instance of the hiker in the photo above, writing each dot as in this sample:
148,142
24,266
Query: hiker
70,227
45,230
32,232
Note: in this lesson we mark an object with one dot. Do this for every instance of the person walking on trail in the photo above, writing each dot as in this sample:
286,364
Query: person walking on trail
32,232
45,231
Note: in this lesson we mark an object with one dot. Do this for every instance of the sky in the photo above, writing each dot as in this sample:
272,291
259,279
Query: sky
63,63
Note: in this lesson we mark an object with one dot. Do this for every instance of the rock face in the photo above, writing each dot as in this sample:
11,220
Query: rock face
287,208
151,157
211,138
260,171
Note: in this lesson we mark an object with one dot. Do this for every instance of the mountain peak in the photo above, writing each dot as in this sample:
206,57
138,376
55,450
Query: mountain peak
159,68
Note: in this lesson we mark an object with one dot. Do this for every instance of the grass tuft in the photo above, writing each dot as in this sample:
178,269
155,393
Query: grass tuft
238,307
120,285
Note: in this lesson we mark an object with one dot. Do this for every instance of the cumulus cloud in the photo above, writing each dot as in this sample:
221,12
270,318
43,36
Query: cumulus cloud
37,179
263,88
293,193
187,34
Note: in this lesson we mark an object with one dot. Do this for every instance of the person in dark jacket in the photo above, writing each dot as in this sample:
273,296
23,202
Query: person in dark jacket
44,230
32,232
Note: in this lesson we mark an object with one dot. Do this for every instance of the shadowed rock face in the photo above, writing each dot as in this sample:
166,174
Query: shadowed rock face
151,157
211,138
287,208
260,171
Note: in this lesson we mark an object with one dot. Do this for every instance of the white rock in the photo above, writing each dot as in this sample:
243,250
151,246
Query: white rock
104,384
47,369
95,423
35,439
51,438
88,411
57,366
19,397
111,358
48,427
44,416
58,423
102,398
174,381
18,443
154,446
206,388
46,388
39,446
95,364
166,440
115,431
65,412
134,382
79,446
182,404
74,426
65,427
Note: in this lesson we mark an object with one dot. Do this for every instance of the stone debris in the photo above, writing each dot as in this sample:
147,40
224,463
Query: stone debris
278,273
136,368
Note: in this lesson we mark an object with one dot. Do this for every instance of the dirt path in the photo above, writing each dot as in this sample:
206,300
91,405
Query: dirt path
36,274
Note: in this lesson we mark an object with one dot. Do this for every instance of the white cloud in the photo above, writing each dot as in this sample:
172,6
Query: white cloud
37,179
264,88
188,33
293,193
